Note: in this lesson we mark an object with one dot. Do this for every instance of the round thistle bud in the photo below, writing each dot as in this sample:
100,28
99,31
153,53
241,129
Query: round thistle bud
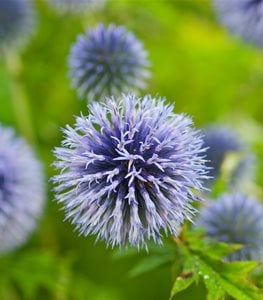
243,18
244,172
219,141
107,61
21,190
236,219
129,170
16,22
75,6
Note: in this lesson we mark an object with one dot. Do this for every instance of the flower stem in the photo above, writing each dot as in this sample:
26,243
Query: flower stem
19,98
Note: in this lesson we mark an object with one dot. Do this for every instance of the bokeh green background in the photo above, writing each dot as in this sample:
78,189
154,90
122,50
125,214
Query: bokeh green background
208,73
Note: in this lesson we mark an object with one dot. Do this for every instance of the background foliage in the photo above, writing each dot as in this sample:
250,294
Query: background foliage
195,63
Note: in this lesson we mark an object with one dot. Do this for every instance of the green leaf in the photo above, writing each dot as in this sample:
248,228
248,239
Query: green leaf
153,258
197,240
33,270
150,263
203,259
219,282
123,254
218,251
182,282
239,268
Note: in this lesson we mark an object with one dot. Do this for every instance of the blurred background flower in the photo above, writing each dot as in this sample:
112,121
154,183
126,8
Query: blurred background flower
219,141
227,153
107,61
21,190
237,219
244,172
243,18
75,6
17,23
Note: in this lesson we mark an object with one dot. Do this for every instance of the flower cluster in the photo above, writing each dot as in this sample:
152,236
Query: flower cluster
235,218
129,169
107,61
21,190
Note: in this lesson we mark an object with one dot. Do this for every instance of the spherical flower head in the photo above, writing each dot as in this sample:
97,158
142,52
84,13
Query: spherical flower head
219,141
107,61
17,20
75,6
244,172
244,18
129,170
21,190
236,219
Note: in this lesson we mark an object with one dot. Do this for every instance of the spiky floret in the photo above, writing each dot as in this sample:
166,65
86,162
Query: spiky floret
236,219
107,61
17,20
129,170
21,190
243,18
75,6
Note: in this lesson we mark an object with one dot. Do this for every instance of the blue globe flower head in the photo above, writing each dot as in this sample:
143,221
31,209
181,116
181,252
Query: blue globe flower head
244,18
128,171
21,190
17,20
237,219
244,172
76,6
219,141
107,61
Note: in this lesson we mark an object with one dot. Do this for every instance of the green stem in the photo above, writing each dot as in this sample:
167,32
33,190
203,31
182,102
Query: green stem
19,99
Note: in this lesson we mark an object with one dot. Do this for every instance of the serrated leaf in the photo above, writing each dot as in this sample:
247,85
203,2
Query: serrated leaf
197,240
218,251
214,291
182,282
202,258
223,276
239,268
216,280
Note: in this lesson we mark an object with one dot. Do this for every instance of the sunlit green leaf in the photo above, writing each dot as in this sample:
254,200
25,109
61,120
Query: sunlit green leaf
202,260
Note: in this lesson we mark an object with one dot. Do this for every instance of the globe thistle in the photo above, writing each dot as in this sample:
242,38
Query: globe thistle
17,20
243,18
107,61
129,170
21,190
219,141
244,172
237,219
75,6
